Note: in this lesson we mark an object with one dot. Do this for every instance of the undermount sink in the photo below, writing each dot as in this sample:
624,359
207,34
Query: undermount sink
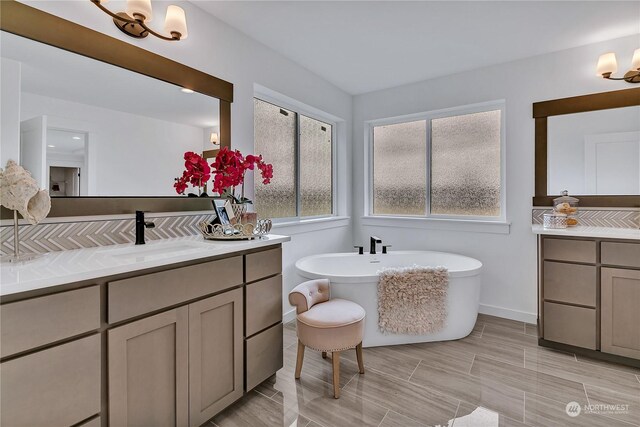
152,251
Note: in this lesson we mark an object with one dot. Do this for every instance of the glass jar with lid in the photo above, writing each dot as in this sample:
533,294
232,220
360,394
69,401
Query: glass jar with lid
568,206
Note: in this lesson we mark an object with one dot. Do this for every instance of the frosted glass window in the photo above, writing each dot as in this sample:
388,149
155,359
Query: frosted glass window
465,164
399,169
315,167
275,138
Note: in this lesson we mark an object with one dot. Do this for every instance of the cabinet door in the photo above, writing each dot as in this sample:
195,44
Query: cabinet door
620,301
59,386
148,371
215,355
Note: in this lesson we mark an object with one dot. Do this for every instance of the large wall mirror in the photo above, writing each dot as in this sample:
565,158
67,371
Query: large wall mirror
589,146
100,118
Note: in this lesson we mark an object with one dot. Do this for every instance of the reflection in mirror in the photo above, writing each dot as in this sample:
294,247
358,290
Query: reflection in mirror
87,128
594,153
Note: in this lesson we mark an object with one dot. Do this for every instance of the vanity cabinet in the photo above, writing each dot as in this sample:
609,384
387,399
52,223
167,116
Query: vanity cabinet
148,371
169,346
215,355
179,367
589,291
621,312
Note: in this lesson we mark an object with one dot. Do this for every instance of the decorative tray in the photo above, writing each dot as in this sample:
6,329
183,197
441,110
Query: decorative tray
235,231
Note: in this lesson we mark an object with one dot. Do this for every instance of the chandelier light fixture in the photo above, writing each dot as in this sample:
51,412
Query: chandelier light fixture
133,21
607,65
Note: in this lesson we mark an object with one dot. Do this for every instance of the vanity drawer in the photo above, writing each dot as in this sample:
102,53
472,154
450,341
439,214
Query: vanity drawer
144,294
263,264
570,250
59,386
570,325
571,283
264,355
263,304
39,321
622,254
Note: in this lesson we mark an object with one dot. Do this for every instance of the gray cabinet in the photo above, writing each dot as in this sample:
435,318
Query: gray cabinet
59,386
215,355
148,371
164,348
180,367
589,294
620,315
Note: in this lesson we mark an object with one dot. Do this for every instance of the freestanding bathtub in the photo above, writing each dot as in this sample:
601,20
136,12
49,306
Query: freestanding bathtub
355,277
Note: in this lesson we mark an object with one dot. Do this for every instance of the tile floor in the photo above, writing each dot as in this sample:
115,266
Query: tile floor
497,376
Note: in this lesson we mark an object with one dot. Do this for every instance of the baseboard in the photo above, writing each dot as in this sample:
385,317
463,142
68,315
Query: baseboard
289,316
508,313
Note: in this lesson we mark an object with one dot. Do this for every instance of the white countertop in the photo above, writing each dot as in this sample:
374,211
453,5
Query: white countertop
58,268
583,231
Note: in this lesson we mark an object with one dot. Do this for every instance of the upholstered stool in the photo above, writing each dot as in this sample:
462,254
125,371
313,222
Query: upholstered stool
327,325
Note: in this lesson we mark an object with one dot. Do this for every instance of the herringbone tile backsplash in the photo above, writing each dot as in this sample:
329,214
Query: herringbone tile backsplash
43,238
598,218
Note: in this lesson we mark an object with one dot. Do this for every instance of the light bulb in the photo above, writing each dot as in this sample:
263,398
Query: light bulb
176,22
140,7
607,64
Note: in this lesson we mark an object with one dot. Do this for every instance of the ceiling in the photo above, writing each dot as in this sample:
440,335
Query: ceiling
67,142
56,73
363,46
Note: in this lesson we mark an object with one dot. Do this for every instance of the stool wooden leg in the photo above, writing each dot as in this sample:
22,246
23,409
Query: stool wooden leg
299,359
335,357
359,356
324,354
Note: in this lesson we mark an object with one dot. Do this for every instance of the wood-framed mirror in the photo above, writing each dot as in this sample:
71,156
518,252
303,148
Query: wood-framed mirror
106,123
590,146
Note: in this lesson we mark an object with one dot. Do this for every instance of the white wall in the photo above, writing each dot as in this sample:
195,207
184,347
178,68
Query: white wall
509,274
9,111
126,151
220,50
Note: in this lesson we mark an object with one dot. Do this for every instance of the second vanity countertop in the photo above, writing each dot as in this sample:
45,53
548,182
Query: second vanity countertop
594,232
59,268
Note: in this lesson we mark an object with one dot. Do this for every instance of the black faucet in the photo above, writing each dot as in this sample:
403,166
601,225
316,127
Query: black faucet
374,240
140,226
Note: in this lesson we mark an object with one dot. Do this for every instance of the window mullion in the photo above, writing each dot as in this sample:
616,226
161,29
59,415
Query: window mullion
297,167
427,203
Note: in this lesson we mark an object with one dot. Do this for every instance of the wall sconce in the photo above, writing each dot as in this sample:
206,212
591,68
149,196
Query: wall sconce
213,138
607,65
133,22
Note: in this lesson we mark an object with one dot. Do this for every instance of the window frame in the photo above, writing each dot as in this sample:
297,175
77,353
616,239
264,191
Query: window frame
299,110
428,116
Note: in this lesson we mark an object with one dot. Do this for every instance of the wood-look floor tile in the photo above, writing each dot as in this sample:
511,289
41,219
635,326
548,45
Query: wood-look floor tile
531,329
529,380
290,336
540,411
419,403
313,399
480,391
393,419
478,416
256,410
315,366
444,355
507,335
610,365
544,353
489,346
603,396
513,325
390,360
586,373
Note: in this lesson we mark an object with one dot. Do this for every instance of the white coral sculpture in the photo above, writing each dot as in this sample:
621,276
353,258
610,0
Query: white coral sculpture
19,191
